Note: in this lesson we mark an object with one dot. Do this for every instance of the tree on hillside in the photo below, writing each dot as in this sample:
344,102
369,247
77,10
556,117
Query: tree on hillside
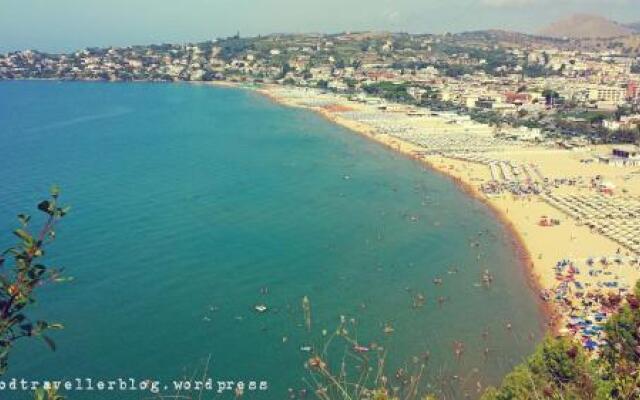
322,84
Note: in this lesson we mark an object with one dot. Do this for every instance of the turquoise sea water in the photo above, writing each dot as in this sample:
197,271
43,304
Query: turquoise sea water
189,200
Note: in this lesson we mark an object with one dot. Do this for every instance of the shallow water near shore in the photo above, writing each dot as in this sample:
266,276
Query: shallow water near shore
192,204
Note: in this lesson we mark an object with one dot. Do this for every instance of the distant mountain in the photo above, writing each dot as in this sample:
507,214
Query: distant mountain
582,26
635,26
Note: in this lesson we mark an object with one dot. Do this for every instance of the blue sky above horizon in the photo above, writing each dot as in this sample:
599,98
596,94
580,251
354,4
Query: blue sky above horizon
64,25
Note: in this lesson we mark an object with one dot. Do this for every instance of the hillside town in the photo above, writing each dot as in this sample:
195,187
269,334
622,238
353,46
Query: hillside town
577,91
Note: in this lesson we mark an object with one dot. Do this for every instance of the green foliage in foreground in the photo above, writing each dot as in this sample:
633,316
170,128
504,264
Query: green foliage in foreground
21,274
561,369
51,394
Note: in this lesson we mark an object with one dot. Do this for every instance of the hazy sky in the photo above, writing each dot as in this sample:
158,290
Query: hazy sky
57,25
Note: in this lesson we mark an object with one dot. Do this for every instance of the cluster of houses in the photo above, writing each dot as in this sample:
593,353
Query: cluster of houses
440,69
623,155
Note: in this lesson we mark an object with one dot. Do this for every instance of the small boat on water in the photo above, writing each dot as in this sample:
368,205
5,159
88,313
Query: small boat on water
261,308
360,349
306,349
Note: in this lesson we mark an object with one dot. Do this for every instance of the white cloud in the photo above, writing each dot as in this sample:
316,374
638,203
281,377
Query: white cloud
393,15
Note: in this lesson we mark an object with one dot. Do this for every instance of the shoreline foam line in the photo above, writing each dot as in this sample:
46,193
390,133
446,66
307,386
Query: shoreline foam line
551,318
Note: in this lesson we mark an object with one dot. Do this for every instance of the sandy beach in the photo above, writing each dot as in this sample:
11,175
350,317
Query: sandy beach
573,218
